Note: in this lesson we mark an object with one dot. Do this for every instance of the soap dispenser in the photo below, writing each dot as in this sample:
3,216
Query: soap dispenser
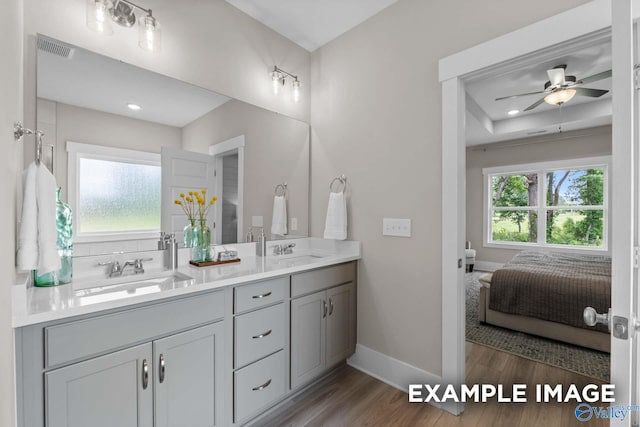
261,244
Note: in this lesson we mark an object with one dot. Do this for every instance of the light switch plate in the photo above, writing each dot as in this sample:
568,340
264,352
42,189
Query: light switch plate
398,227
256,221
294,224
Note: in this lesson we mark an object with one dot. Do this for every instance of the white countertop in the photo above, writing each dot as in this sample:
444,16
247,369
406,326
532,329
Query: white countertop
33,305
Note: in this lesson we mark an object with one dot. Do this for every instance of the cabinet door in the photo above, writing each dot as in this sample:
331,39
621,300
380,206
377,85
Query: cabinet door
308,326
341,323
188,378
103,392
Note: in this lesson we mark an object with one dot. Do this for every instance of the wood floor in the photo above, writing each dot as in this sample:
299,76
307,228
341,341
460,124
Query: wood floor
351,398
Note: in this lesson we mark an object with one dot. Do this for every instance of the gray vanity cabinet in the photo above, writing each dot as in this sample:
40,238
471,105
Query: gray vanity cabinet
187,378
103,392
323,324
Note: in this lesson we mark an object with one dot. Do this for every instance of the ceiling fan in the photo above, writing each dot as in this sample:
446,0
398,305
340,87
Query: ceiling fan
561,88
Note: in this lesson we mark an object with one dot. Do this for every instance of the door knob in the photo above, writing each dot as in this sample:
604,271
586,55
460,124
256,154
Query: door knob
592,317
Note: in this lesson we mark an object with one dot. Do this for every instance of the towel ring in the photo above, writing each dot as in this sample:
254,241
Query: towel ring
281,189
341,180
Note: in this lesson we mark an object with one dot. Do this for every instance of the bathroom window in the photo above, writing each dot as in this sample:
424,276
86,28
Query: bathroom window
560,204
114,193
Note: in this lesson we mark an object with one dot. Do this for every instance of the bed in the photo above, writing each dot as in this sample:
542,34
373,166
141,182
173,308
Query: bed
545,294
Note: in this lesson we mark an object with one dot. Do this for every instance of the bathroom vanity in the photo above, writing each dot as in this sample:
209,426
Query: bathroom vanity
212,346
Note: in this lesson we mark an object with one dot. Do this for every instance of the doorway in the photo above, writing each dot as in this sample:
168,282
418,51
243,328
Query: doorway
525,44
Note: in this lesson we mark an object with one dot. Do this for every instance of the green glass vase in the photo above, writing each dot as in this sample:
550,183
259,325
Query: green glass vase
188,233
201,250
64,227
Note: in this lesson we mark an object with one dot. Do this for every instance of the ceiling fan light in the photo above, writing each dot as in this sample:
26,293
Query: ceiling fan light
560,97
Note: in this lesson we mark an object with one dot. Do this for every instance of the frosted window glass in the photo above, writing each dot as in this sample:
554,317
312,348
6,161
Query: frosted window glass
118,196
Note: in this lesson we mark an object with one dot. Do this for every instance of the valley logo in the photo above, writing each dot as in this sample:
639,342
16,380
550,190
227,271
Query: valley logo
585,412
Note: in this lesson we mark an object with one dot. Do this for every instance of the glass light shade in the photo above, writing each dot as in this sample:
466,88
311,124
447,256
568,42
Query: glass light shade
296,91
560,97
149,34
275,78
98,16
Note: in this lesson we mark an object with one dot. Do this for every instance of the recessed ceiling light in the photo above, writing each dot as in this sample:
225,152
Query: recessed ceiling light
134,107
513,112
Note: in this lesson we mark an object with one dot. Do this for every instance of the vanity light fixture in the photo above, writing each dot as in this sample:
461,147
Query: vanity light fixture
278,78
100,13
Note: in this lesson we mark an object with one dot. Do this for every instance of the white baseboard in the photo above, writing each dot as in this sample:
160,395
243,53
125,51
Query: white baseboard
392,371
487,266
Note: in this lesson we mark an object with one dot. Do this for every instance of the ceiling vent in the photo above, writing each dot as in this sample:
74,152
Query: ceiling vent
55,47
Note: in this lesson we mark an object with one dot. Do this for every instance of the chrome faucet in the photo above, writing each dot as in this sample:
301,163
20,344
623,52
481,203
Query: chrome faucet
116,269
283,249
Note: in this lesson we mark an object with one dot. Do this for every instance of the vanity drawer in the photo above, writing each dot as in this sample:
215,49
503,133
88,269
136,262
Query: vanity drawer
258,334
70,342
258,385
322,278
260,294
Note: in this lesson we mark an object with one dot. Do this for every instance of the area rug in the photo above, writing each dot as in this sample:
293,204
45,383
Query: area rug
577,359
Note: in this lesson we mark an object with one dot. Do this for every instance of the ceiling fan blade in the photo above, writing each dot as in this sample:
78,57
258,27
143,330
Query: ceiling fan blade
594,93
596,77
534,105
520,94
556,76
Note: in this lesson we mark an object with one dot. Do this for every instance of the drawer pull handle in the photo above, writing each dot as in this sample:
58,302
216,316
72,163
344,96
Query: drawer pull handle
161,373
330,306
145,374
261,296
262,335
324,313
262,387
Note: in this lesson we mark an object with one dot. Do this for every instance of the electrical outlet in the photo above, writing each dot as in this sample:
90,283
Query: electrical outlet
294,224
398,227
256,221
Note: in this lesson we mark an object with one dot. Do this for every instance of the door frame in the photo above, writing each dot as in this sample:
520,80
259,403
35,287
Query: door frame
219,150
523,44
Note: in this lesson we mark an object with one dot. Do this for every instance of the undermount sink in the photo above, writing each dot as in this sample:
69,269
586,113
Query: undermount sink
293,260
134,285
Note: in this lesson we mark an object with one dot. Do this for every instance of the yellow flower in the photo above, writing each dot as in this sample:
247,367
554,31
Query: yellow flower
177,202
213,200
189,199
204,191
182,195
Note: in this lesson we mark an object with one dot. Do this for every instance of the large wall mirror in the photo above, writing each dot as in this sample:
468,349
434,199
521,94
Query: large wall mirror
106,123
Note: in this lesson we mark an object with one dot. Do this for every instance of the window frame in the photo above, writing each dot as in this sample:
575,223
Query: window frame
77,151
542,168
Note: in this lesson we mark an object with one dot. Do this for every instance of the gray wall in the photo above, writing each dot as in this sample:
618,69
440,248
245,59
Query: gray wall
276,150
569,145
10,162
70,123
376,117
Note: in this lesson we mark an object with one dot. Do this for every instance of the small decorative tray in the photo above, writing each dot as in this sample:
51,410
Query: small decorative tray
208,263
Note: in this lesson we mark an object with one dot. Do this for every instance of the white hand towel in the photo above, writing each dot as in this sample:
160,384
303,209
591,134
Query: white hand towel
48,257
336,223
37,243
28,234
279,218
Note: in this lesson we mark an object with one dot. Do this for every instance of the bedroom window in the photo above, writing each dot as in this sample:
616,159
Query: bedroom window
114,193
555,204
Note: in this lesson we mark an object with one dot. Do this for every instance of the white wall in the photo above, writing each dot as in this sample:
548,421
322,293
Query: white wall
276,151
376,117
70,123
570,145
10,161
